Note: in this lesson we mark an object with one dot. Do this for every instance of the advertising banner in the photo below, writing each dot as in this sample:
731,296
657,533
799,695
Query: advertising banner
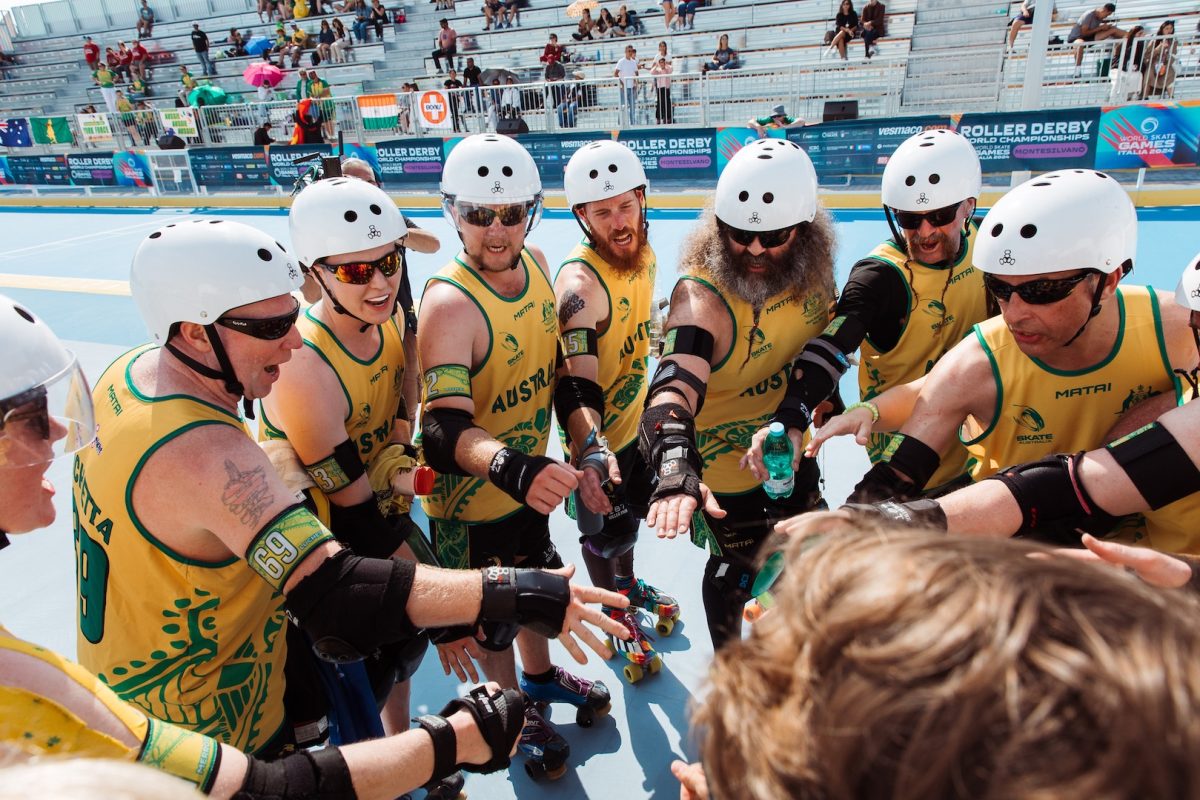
677,154
94,127
402,161
1153,135
183,120
282,161
434,110
859,147
550,151
230,166
1037,141
123,168
40,170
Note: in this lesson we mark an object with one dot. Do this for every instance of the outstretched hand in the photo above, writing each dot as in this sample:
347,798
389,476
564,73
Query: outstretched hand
1153,567
671,516
581,614
856,422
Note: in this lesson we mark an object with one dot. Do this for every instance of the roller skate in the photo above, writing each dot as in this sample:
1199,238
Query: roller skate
590,698
637,651
448,788
645,596
544,748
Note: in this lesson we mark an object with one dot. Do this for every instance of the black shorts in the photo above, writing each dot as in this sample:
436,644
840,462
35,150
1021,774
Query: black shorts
1026,19
522,538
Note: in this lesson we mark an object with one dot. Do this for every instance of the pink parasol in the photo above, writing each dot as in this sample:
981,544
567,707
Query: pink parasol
261,72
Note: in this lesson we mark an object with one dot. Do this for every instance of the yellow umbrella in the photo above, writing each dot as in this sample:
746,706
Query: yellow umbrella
576,8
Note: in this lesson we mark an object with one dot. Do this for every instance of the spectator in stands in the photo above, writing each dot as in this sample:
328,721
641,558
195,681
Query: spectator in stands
1024,17
139,56
113,62
264,8
778,119
586,25
303,88
626,74
342,45
319,89
553,52
145,21
845,27
91,53
106,80
472,77
296,44
668,7
628,22
491,9
1092,27
138,90
362,16
404,101
237,44
200,45
1159,63
725,56
265,93
444,5
378,18
125,61
451,84
565,97
664,112
147,121
494,94
607,28
687,15
88,109
128,120
171,141
186,81
881,637
447,44
512,13
1126,75
325,40
874,25
510,100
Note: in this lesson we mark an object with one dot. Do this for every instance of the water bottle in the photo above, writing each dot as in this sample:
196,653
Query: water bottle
654,330
591,523
777,457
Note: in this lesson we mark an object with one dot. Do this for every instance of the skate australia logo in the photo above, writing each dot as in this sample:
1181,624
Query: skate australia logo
510,343
1028,419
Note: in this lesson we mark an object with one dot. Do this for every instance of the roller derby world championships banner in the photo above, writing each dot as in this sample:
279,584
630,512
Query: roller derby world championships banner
860,147
121,168
1037,141
1153,135
550,152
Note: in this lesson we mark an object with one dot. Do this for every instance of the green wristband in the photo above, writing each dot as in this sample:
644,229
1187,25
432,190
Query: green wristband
867,404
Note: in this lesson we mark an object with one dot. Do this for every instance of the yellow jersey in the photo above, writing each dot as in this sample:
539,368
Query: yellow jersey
1040,410
748,382
512,388
372,387
196,643
623,349
42,726
943,305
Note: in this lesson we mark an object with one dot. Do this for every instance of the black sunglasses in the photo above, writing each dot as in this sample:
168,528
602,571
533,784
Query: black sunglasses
361,272
746,238
29,409
263,328
1036,293
911,220
482,216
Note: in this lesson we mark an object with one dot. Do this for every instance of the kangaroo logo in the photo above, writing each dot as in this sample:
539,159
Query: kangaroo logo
497,188
922,200
755,219
1007,259
608,187
374,233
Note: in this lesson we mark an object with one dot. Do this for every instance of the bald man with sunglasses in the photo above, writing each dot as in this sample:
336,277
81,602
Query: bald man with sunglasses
1069,356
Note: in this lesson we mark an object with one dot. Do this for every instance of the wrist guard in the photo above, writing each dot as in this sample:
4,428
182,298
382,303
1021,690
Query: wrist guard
1054,504
882,483
913,514
822,363
531,598
311,775
667,440
498,716
451,634
513,472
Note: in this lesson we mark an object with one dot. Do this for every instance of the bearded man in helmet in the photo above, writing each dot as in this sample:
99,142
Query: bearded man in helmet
1069,355
489,348
182,603
910,299
757,285
605,295
53,707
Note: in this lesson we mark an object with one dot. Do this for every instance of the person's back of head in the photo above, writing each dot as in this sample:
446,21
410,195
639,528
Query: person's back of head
902,664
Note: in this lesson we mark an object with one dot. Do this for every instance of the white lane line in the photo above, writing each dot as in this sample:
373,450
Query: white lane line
11,252
51,284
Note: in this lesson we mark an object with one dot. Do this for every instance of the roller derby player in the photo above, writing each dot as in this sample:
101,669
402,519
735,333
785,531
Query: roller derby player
757,286
489,347
605,290
54,707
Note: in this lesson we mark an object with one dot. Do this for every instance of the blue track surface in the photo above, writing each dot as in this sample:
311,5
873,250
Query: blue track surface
627,755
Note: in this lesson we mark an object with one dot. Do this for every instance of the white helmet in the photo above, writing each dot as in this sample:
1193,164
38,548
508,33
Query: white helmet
342,215
1187,294
490,168
196,270
767,185
601,170
932,169
36,368
1064,220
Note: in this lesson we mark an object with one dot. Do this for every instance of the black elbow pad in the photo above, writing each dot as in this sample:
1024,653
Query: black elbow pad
441,428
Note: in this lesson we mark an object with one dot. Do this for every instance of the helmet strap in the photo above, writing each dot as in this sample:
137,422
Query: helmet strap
338,307
225,373
897,236
1095,308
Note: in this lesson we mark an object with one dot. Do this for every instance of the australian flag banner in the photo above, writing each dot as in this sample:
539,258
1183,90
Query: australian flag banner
14,132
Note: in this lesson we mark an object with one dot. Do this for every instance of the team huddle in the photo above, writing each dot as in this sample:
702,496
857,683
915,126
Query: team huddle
243,602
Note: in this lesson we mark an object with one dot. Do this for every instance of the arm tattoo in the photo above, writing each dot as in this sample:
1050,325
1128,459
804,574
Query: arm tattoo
246,494
571,305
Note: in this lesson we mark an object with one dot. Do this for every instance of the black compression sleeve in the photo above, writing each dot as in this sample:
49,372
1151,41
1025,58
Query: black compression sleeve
876,295
364,529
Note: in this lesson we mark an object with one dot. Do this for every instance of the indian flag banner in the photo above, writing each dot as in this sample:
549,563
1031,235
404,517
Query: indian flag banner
51,130
378,111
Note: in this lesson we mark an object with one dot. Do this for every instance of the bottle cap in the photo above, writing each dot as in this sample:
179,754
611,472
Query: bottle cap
776,429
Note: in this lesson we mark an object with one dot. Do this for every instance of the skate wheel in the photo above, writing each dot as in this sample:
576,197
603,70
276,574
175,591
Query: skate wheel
611,651
752,613
633,672
556,773
665,626
655,665
585,717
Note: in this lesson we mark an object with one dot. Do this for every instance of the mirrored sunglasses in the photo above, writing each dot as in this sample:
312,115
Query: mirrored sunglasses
361,272
483,216
1036,293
